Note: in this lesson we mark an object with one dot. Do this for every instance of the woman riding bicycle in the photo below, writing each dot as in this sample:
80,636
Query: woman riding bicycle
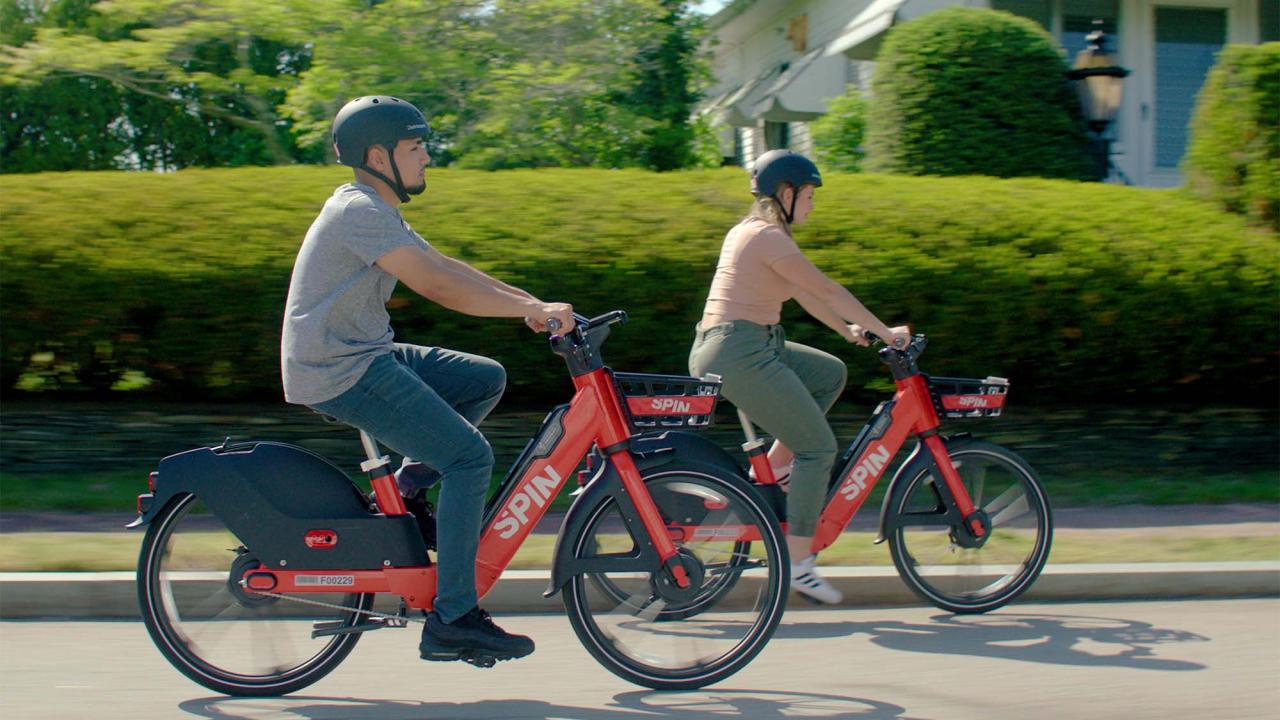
786,388
338,356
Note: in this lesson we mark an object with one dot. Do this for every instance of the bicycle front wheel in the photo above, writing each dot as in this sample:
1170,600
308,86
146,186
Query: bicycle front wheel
215,632
946,571
644,630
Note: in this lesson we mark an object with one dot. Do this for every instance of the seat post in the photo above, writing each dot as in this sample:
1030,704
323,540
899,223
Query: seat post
371,450
377,465
756,455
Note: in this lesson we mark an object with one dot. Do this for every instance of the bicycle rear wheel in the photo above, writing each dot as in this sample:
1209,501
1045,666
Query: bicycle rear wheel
217,634
644,630
940,568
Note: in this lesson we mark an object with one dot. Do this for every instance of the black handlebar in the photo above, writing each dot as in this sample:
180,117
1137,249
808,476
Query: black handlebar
580,347
897,344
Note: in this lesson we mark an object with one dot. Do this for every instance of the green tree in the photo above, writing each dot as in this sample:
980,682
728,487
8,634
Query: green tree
433,53
226,63
61,124
838,135
549,94
664,88
964,91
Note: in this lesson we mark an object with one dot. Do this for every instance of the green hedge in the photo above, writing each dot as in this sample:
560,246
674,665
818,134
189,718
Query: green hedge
1234,153
966,91
1073,290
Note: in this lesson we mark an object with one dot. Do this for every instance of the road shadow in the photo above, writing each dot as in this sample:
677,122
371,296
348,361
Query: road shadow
709,704
1025,637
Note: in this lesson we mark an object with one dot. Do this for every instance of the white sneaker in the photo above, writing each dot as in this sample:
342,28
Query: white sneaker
806,581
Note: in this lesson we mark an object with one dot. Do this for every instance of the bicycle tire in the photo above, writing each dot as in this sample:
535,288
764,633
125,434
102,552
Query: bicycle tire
629,637
214,636
973,580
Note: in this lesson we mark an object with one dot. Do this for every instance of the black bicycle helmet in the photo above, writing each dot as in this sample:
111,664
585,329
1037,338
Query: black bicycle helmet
783,166
377,120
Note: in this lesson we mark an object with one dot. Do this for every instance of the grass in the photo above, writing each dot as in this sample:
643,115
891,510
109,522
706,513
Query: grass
85,552
116,491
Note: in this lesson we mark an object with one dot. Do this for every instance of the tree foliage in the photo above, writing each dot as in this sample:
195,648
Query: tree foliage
1234,154
838,136
505,83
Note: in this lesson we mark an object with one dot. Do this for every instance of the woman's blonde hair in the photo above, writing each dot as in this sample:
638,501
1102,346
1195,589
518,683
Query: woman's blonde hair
770,210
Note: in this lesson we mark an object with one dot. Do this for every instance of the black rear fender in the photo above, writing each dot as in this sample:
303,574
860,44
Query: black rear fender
271,495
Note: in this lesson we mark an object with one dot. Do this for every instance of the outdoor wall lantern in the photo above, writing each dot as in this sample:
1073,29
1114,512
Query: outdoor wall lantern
1099,82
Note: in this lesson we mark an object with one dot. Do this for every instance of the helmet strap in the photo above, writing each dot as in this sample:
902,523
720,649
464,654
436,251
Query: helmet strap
397,185
792,213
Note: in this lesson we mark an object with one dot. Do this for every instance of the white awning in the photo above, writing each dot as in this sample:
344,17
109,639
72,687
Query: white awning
788,92
860,39
800,92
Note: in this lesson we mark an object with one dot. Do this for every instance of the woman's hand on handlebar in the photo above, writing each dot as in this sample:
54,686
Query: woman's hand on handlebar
899,337
539,320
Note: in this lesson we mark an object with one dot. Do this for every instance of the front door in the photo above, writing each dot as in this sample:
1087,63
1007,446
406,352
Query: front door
1187,41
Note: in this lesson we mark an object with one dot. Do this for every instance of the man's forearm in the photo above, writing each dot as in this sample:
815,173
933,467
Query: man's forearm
460,267
472,295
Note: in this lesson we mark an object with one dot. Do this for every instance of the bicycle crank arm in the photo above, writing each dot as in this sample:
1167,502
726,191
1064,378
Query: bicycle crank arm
337,627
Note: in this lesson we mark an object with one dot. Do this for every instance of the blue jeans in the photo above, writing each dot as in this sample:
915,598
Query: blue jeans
425,403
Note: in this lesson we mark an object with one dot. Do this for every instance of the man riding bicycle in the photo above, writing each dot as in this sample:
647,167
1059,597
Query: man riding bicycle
338,354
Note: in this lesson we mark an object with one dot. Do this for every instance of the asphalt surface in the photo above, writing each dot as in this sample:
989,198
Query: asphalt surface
1092,661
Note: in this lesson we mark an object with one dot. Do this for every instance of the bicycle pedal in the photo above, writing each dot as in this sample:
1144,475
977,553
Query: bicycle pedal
325,629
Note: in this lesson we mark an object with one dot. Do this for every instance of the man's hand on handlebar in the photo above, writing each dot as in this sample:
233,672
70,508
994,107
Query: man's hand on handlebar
562,313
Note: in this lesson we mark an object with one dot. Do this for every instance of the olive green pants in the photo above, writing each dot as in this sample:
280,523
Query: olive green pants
786,388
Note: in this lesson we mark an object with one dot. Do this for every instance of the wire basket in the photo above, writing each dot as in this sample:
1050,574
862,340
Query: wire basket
668,401
968,397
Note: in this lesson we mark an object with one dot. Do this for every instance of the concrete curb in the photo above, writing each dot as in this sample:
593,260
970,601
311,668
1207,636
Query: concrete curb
113,595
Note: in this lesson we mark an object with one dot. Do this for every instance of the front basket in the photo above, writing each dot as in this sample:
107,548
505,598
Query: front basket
668,401
968,397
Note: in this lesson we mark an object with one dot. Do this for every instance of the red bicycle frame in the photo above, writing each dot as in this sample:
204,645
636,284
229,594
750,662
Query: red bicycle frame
595,415
910,412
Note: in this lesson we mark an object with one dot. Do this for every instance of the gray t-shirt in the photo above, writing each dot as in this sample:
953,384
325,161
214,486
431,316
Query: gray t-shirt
335,320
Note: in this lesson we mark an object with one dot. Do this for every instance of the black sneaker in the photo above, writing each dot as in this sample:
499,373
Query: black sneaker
472,638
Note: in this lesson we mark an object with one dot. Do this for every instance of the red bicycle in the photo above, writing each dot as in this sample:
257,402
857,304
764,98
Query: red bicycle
968,522
248,544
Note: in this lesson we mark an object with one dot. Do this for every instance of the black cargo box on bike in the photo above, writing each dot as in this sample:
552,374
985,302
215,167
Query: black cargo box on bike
290,507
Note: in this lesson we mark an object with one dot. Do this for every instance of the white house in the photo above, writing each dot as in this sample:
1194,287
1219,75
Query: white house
776,62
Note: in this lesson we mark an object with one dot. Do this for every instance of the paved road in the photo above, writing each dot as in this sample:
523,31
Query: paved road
1158,660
